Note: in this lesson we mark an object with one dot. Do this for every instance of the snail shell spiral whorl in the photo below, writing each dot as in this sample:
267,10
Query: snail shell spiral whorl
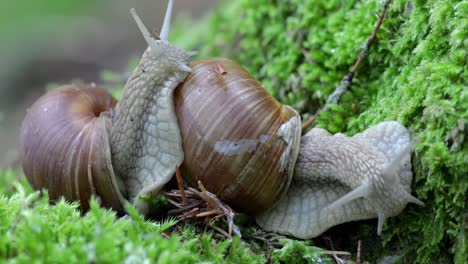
238,140
70,124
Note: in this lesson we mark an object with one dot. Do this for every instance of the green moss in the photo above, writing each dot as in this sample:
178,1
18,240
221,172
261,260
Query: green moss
415,73
294,251
10,179
35,231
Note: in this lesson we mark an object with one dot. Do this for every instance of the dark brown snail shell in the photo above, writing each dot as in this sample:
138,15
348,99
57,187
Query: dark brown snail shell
229,126
64,146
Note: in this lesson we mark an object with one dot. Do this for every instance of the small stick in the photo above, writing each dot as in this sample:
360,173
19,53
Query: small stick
218,217
207,213
201,203
337,259
189,213
180,183
228,212
342,253
173,193
348,78
220,231
183,209
309,122
359,252
230,227
173,202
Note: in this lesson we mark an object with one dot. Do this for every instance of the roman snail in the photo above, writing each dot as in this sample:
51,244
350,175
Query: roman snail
77,141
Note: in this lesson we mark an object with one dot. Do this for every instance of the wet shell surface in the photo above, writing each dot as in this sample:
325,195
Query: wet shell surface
237,139
71,125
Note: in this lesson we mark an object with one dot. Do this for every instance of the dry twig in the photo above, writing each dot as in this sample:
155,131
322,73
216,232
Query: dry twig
180,183
202,204
348,78
359,252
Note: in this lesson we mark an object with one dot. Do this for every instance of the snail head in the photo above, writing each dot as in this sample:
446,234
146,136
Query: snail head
160,49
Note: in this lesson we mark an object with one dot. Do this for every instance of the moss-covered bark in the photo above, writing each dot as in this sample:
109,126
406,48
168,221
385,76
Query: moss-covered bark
415,73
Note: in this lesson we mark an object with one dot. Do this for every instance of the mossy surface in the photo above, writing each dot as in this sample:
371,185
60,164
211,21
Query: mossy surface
34,230
415,73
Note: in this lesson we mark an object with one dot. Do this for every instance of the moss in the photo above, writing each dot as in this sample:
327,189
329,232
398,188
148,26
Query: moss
415,73
35,231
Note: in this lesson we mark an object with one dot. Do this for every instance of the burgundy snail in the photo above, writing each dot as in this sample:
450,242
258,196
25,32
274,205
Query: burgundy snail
222,127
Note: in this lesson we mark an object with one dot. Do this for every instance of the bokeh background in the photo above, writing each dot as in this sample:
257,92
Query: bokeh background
50,41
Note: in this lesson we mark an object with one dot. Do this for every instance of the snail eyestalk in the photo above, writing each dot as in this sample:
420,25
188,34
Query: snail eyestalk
362,191
164,31
167,21
153,43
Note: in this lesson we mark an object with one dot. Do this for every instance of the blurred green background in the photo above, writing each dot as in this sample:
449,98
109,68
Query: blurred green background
53,41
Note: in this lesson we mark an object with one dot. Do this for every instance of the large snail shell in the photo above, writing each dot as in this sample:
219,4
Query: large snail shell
238,140
65,145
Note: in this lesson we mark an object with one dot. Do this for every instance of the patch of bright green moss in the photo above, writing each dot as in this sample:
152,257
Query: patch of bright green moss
35,231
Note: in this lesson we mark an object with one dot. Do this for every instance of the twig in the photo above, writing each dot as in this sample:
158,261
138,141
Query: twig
183,209
337,259
173,202
359,252
228,235
208,213
342,253
202,204
189,214
309,122
348,78
228,212
180,183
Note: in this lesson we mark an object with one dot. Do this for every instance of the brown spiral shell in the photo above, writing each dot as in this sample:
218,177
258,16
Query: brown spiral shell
231,133
65,146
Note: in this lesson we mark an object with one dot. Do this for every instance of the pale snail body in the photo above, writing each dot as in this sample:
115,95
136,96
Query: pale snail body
144,147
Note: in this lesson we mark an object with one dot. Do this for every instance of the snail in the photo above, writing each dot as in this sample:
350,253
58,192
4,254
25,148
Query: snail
218,123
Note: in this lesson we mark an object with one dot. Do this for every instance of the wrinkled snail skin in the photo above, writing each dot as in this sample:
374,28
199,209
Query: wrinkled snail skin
222,128
340,179
145,133
145,137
